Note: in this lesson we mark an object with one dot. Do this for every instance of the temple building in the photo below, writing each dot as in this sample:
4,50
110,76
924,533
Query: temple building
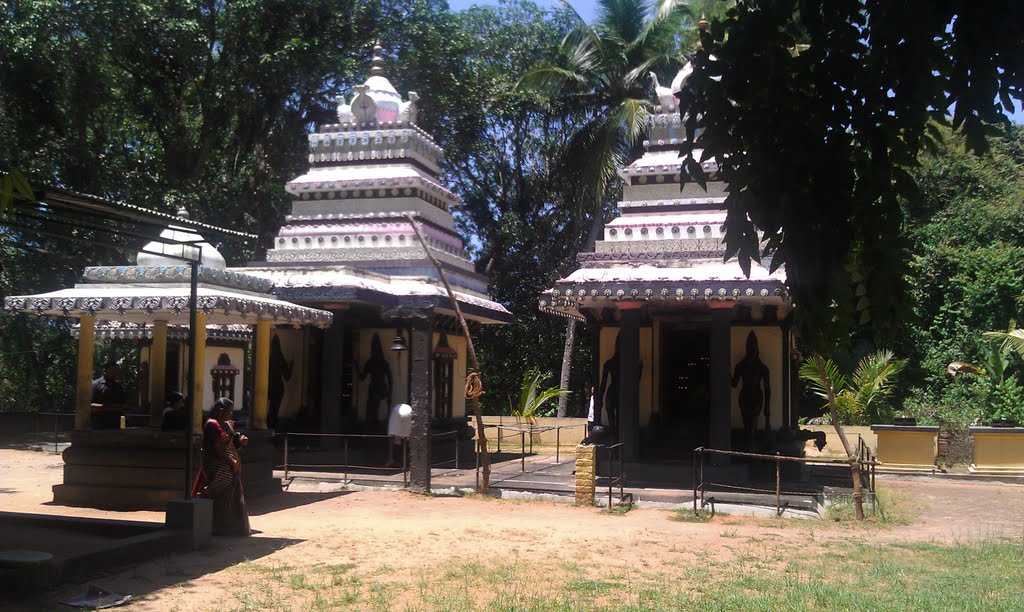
136,465
690,350
348,247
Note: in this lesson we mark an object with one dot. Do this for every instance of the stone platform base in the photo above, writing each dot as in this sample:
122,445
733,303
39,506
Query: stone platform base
136,469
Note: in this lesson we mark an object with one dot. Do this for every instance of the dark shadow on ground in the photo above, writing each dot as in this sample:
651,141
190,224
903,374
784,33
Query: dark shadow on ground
42,441
142,580
267,504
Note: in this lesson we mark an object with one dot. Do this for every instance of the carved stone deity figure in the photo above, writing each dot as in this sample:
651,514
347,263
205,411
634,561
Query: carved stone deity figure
280,370
756,392
608,389
378,370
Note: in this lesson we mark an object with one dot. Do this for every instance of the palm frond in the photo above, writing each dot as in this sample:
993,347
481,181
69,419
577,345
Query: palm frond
668,18
631,116
548,80
1010,340
641,70
823,377
874,377
665,9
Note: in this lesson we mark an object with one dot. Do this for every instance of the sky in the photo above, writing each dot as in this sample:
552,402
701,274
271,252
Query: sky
588,10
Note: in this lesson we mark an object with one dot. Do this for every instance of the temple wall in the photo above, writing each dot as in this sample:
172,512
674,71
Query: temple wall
769,340
373,206
398,365
607,349
671,191
237,357
458,373
213,351
293,352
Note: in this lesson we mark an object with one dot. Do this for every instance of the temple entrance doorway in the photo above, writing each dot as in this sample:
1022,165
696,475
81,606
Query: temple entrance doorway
683,420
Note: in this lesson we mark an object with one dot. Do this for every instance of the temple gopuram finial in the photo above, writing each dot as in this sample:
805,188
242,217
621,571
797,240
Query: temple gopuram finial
377,63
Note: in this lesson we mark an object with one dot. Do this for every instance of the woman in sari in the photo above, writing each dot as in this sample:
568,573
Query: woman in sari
222,471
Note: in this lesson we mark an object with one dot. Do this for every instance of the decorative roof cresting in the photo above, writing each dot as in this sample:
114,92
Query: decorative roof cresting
377,101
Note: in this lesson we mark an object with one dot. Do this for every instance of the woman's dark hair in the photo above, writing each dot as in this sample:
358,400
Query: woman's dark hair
223,403
174,397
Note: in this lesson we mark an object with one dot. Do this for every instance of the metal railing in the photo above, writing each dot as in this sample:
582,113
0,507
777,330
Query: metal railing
454,434
531,430
865,464
345,465
613,453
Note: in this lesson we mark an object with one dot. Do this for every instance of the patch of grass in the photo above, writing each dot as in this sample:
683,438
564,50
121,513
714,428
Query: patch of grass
687,515
888,509
590,588
619,509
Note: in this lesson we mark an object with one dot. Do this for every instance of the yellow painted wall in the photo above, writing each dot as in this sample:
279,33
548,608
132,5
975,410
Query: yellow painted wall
458,373
237,355
399,363
769,342
294,349
607,349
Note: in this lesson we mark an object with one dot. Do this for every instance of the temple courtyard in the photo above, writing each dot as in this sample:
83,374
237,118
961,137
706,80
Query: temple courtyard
944,544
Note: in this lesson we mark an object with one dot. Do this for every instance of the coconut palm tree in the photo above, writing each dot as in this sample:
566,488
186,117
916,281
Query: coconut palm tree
848,397
602,81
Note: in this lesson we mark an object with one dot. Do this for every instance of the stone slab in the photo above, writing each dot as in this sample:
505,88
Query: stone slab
194,517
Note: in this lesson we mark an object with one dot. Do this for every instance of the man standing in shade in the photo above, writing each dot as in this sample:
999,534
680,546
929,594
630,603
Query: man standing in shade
107,399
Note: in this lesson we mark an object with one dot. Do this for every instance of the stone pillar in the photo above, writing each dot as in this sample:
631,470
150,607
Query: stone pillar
198,391
586,474
83,377
261,375
157,373
629,382
721,360
422,406
330,376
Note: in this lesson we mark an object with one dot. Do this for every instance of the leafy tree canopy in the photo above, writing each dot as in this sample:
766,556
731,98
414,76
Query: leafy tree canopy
816,111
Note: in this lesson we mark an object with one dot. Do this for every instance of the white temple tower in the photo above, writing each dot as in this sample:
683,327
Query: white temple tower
671,316
348,247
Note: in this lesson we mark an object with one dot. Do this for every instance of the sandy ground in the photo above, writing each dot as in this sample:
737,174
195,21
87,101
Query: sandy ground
395,535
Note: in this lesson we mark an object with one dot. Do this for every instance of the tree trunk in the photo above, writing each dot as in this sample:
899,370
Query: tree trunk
570,341
474,366
570,328
858,494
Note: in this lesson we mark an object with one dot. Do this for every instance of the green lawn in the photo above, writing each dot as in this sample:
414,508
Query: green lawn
984,576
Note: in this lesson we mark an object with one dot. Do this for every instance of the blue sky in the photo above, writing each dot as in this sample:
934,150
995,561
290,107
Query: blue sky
588,10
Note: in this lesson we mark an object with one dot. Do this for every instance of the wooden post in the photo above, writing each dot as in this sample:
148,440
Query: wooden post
420,400
261,375
473,377
83,379
199,380
157,372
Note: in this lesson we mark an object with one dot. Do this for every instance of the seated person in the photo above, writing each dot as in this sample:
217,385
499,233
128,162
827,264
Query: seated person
175,418
107,399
